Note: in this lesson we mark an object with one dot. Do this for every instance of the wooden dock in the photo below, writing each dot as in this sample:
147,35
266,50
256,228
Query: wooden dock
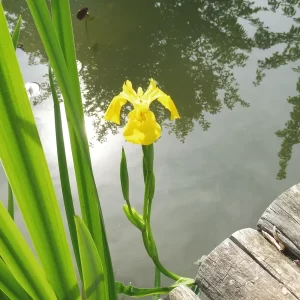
260,264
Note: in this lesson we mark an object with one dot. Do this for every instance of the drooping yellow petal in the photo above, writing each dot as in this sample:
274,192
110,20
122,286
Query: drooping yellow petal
113,112
168,103
143,131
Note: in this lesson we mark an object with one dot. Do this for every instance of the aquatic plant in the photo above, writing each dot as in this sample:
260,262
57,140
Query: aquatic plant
50,273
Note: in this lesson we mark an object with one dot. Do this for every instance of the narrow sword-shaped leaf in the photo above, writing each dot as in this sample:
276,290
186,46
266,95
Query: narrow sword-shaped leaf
62,61
9,285
16,33
10,206
64,173
20,260
25,165
92,269
15,39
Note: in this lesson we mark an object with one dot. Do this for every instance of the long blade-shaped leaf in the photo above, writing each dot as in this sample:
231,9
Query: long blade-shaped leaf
64,173
91,210
61,17
15,39
20,260
92,269
3,295
9,285
16,33
10,206
25,165
90,206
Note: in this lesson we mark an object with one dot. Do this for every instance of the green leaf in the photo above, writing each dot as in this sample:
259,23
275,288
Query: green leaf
61,17
124,177
9,285
15,39
3,296
64,173
184,281
92,269
20,260
134,217
56,43
10,201
24,162
16,33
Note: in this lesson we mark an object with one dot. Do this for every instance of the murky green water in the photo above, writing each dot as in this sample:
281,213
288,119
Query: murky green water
216,167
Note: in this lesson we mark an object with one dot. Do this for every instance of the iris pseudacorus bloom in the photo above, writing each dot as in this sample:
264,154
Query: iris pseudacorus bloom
141,127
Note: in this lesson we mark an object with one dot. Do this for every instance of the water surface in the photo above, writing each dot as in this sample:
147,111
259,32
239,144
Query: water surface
217,168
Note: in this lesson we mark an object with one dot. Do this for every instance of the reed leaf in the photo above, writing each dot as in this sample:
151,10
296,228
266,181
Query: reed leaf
24,162
92,268
19,259
63,61
9,285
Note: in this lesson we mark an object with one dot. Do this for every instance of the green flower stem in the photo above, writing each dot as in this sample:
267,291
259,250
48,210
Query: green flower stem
157,282
147,233
132,291
146,214
152,252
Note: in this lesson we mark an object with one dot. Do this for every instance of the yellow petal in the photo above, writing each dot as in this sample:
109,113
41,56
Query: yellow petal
152,92
168,103
113,112
128,91
140,92
143,132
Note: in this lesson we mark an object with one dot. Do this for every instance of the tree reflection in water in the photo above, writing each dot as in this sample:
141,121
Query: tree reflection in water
291,53
190,48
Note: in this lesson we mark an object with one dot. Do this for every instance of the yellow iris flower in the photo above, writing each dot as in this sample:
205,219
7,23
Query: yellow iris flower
141,127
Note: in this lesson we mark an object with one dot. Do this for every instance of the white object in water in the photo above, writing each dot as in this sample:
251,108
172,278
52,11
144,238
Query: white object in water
33,89
79,65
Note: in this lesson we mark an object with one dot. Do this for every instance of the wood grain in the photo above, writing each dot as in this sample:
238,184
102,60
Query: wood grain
231,271
181,293
284,213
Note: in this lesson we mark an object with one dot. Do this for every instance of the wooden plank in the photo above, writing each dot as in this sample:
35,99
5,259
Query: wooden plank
230,272
284,213
182,293
273,261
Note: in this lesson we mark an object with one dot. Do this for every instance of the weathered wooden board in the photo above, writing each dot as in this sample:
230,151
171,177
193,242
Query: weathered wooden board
181,293
248,267
284,213
269,258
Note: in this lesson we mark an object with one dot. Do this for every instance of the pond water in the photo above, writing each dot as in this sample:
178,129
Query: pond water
225,160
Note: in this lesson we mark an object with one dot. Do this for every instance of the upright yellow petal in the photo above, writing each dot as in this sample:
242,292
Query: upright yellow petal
140,92
113,112
128,92
143,132
152,92
168,103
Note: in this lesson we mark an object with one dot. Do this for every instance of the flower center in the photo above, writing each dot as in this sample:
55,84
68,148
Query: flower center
141,113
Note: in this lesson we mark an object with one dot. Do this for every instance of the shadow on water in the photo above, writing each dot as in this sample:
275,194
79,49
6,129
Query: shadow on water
191,48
